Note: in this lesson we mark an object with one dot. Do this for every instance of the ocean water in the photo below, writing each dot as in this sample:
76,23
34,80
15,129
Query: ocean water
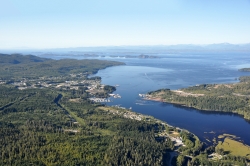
176,71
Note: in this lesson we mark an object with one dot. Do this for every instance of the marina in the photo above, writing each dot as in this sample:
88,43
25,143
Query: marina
105,100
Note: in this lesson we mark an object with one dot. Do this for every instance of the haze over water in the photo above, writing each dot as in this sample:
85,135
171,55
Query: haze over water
174,72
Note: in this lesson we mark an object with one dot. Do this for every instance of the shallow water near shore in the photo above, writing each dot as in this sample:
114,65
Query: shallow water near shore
140,76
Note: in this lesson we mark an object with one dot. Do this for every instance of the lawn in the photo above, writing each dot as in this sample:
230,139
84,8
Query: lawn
234,147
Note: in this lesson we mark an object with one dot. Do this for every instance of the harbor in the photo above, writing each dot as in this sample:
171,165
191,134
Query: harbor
105,100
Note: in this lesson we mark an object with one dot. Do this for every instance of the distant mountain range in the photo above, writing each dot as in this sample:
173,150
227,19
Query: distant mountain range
221,47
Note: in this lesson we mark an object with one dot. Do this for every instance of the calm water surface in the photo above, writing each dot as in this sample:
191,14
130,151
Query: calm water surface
174,72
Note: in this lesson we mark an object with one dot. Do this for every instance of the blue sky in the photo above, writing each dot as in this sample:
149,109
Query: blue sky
80,23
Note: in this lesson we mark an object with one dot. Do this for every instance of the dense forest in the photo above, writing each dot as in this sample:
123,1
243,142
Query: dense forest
61,126
37,130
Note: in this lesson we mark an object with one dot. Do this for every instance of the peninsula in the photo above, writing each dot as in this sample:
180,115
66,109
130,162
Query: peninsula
233,98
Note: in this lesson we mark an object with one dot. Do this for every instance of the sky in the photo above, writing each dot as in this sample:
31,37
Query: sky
83,23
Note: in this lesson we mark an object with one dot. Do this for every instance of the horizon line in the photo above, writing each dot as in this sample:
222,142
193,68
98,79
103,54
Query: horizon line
162,45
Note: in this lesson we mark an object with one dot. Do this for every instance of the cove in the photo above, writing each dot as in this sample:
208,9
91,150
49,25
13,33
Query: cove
142,76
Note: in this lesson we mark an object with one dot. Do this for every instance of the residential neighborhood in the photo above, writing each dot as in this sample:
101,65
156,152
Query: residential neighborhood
76,82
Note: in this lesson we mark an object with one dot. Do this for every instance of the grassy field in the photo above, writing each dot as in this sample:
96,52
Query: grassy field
234,147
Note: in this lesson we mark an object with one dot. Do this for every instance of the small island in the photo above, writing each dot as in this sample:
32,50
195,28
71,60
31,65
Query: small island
245,69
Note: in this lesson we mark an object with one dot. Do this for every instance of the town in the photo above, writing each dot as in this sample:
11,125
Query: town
80,81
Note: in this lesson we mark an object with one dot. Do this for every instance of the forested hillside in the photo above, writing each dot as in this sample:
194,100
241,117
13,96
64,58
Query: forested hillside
19,66
7,59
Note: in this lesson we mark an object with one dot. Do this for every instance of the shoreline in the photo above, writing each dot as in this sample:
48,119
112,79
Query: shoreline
162,101
202,110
